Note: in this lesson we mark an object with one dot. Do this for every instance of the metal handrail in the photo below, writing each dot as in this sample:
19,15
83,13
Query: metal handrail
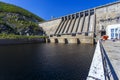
109,71
101,67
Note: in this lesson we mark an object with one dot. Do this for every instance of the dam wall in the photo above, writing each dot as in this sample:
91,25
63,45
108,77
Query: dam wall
88,23
50,26
107,15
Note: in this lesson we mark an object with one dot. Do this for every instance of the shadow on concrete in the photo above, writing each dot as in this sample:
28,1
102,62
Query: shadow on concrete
48,40
56,40
78,41
66,41
86,34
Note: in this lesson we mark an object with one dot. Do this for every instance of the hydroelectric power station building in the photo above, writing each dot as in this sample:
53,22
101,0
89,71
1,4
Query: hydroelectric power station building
85,26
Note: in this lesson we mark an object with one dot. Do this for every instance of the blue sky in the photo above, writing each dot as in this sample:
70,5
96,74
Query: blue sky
56,8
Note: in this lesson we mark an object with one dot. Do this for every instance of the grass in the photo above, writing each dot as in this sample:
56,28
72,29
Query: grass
13,36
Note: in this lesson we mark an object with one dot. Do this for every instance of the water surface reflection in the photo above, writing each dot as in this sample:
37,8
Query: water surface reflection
45,61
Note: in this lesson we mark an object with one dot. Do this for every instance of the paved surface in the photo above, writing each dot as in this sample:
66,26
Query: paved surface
113,51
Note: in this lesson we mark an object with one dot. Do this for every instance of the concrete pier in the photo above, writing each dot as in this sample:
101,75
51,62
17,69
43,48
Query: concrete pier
72,25
67,26
76,23
91,25
61,40
52,40
72,39
85,27
64,25
60,25
81,23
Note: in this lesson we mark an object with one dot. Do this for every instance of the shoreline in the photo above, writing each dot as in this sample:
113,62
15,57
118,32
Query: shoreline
21,41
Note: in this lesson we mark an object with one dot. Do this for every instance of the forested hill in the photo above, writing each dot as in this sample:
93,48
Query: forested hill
14,19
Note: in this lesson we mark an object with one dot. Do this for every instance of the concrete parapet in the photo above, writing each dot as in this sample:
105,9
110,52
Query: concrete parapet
89,41
52,40
96,71
69,39
72,40
86,39
65,36
61,40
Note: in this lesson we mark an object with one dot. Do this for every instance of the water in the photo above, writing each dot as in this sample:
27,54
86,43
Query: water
45,61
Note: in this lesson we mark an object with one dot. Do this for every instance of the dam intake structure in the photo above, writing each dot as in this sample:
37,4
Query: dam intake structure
82,27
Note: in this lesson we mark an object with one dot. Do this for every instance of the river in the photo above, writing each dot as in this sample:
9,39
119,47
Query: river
45,61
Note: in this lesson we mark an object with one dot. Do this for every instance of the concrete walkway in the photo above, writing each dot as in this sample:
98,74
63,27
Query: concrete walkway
113,51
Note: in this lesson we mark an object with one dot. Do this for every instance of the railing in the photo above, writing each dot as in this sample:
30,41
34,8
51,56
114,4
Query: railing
109,71
101,67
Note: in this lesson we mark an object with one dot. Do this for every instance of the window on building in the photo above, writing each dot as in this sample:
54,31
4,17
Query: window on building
112,33
119,33
116,33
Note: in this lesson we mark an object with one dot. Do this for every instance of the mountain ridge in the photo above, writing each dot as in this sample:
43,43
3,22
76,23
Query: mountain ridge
14,19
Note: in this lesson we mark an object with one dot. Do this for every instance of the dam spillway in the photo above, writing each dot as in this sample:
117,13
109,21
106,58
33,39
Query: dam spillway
75,28
84,26
76,24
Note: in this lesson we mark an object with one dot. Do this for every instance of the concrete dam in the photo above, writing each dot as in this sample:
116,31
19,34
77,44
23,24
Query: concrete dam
89,26
82,27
